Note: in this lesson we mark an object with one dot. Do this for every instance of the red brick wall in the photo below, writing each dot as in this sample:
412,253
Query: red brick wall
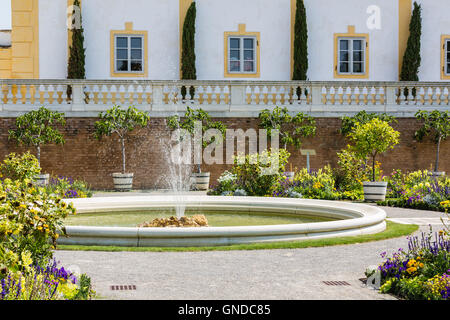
84,157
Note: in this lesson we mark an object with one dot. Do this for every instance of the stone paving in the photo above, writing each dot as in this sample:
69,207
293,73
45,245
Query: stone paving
261,274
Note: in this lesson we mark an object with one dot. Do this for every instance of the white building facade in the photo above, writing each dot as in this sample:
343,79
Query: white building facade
238,40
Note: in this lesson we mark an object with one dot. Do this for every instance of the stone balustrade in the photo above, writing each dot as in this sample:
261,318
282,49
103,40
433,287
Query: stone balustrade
86,98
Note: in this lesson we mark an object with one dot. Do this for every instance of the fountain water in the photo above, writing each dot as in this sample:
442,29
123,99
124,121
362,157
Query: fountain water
177,156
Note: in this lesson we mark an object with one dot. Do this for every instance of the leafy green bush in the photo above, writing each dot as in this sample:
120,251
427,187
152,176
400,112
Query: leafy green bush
20,167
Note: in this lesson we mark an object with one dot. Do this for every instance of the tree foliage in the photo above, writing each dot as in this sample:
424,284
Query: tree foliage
121,122
77,55
37,128
412,58
300,43
436,123
188,70
348,123
292,129
373,138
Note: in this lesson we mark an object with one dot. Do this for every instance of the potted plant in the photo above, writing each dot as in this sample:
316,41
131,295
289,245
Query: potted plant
292,129
437,122
369,140
37,128
188,123
120,122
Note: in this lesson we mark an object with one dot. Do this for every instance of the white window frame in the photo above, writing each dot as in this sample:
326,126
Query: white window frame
241,54
350,53
446,60
129,36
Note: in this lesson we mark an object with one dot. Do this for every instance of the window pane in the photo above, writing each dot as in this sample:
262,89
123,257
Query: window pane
343,67
248,66
235,43
248,43
344,56
122,42
357,44
136,65
357,68
136,54
235,66
248,54
136,42
343,44
448,68
122,65
122,54
357,56
448,56
234,55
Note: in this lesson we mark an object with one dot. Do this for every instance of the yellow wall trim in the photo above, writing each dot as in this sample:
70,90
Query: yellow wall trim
241,32
25,39
444,76
404,18
351,33
129,31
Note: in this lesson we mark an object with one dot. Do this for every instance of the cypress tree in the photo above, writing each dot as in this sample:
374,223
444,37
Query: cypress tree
188,70
412,59
75,68
300,43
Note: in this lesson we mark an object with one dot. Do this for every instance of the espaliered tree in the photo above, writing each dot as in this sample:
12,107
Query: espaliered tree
411,58
121,122
188,70
77,54
37,128
300,43
437,123
292,129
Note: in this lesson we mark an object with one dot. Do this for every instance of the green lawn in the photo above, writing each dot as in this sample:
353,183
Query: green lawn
393,230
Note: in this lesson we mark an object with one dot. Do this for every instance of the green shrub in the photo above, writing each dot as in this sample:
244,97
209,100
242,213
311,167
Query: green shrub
259,173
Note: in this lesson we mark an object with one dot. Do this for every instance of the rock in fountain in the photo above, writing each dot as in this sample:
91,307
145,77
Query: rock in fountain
198,220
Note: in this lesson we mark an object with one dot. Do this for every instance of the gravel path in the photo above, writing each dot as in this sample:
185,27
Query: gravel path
264,274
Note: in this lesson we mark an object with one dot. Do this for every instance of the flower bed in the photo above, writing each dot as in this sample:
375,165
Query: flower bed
422,272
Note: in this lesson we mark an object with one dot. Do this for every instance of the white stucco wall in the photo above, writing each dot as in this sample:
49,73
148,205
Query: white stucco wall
214,17
325,18
270,18
435,22
159,18
52,39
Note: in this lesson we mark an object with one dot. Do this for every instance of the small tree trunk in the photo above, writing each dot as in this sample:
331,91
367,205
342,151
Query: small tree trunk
123,154
436,166
373,169
38,155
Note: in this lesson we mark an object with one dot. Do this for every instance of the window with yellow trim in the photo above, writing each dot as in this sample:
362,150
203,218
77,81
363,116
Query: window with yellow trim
241,53
445,57
351,55
128,52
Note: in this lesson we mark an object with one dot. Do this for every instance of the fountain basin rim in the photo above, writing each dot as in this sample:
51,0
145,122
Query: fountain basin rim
360,219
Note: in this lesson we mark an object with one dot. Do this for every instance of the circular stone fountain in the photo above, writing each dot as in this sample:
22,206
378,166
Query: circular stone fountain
349,219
